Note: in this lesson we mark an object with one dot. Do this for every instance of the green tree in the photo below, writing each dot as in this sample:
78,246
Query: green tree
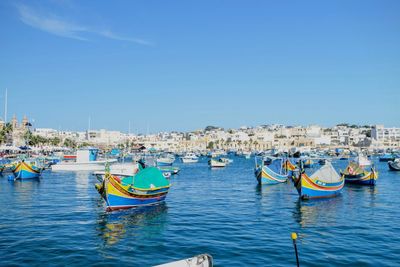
55,141
69,143
210,145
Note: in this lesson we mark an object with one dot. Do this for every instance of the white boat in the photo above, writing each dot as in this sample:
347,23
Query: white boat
190,158
362,161
86,160
394,165
217,163
247,154
226,160
167,160
203,260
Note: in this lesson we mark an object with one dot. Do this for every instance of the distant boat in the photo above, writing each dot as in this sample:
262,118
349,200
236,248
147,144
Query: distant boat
217,163
147,187
394,165
308,163
166,160
24,170
273,173
247,154
323,183
387,157
190,158
356,174
362,161
86,160
171,170
203,260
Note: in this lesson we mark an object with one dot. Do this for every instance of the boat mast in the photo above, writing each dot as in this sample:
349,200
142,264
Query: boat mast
5,108
88,131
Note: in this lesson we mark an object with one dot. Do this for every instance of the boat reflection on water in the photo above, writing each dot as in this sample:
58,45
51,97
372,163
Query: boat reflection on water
318,212
356,192
147,221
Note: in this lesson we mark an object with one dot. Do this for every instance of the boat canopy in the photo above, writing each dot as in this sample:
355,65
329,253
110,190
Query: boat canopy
326,174
353,169
147,178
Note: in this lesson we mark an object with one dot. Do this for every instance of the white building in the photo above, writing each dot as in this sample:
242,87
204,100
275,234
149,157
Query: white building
382,134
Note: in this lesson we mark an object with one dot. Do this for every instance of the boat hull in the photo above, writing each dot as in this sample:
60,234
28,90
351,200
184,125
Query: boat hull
368,178
81,166
312,189
164,163
266,176
117,197
190,160
25,171
394,166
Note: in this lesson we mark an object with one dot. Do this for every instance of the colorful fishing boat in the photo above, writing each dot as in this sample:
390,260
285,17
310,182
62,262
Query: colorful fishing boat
147,187
24,170
356,174
323,183
308,163
273,173
394,165
387,157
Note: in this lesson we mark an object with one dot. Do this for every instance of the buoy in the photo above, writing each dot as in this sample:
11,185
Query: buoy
294,237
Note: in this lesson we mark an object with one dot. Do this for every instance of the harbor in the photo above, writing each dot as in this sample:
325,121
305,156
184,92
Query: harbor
222,212
199,133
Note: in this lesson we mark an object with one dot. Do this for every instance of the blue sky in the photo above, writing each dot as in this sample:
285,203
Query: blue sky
183,65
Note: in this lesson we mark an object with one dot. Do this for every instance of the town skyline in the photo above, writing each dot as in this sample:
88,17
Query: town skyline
179,66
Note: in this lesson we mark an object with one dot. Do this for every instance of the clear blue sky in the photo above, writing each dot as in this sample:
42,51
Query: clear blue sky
187,64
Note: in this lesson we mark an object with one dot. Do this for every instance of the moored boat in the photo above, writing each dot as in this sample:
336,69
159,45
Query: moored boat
387,157
217,163
394,165
323,183
203,260
166,160
274,173
308,163
24,170
356,174
147,187
86,160
190,158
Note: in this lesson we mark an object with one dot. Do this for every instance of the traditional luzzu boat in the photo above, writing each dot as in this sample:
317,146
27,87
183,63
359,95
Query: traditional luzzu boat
308,163
356,174
147,187
274,173
24,170
323,183
394,165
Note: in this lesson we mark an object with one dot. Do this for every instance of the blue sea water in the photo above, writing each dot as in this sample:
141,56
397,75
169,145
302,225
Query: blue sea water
61,220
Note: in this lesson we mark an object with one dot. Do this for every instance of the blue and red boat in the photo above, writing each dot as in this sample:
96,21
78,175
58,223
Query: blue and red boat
274,173
356,174
323,183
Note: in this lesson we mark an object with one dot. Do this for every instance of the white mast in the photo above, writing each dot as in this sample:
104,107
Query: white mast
5,108
88,131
